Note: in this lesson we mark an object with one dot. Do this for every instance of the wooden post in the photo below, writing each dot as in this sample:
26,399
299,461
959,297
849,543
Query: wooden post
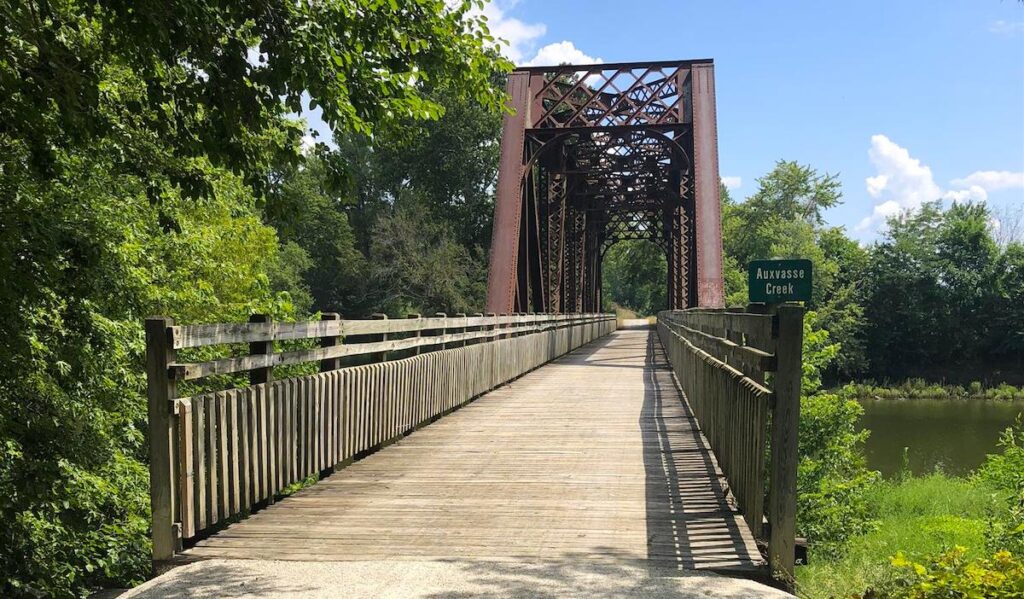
479,328
418,333
461,315
382,356
160,392
785,424
331,363
444,330
261,375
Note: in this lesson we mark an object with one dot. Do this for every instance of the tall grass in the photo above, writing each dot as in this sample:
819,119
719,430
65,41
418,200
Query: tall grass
919,516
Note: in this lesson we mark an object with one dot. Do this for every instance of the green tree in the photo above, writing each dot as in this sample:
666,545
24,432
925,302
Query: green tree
783,219
634,275
942,297
137,142
417,266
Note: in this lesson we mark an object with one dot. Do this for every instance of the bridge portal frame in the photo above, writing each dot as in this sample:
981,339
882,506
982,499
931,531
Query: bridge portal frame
594,154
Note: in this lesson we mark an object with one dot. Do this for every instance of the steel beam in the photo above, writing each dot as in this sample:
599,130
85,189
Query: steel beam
502,274
708,207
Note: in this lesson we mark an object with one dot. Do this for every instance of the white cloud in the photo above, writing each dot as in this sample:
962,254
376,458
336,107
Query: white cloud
991,180
561,53
1006,27
904,183
732,182
973,193
519,37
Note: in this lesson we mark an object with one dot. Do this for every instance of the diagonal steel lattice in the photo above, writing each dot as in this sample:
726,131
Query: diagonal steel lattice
597,154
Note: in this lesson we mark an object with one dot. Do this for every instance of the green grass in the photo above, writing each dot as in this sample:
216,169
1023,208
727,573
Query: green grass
918,516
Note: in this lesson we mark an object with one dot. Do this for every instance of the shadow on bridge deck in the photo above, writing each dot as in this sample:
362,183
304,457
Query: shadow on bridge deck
589,472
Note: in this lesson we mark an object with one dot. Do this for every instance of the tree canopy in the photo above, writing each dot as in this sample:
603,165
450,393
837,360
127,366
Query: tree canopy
150,162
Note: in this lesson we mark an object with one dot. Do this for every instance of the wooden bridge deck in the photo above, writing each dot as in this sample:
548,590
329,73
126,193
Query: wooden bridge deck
591,456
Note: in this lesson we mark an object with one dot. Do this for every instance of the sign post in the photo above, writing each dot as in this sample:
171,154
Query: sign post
774,283
778,281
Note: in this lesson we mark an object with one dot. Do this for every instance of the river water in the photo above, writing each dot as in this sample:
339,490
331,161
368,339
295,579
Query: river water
954,435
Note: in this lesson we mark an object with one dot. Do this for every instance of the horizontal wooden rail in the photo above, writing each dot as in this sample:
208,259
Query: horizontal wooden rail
219,334
720,360
512,325
219,455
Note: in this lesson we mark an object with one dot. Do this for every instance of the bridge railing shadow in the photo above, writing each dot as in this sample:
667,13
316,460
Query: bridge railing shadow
691,521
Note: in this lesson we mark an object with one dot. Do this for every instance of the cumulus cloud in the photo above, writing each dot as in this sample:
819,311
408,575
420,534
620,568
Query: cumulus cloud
563,52
991,180
519,38
903,182
732,182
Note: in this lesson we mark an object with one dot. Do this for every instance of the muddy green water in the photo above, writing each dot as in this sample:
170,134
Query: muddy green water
954,435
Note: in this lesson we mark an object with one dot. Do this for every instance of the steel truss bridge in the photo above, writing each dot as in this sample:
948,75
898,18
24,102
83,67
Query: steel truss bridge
596,154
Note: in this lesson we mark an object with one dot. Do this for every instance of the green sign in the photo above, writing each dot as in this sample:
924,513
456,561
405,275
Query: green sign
777,281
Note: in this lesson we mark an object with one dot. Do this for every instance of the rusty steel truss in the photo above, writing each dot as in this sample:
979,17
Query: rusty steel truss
597,154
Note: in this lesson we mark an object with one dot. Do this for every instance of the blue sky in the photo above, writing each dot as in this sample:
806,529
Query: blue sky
906,101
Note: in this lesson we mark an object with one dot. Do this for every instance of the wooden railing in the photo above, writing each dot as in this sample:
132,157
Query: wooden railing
721,359
217,455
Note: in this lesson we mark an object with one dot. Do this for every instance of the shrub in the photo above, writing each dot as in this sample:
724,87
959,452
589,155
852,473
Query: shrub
952,574
1004,474
832,476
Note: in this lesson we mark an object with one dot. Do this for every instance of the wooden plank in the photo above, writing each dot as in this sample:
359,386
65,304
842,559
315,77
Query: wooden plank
182,371
245,448
269,427
517,473
212,461
199,460
253,445
218,334
234,449
186,480
181,337
223,459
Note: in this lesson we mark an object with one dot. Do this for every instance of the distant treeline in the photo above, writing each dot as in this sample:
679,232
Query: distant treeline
937,297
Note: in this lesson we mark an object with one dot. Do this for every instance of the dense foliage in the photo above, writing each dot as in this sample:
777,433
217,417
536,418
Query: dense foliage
945,300
634,275
142,147
935,536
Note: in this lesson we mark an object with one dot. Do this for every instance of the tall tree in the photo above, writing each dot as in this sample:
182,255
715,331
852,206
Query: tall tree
137,141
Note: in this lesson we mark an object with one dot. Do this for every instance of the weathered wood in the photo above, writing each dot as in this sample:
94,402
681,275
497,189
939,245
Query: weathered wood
266,361
221,334
240,447
706,347
199,462
186,478
212,469
785,424
161,391
330,341
518,474
749,360
266,373
256,331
